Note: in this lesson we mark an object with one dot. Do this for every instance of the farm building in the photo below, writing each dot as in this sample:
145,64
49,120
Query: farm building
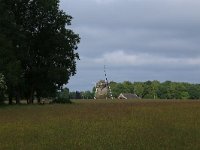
128,96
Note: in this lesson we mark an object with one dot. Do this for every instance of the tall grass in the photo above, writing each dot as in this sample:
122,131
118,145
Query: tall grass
101,124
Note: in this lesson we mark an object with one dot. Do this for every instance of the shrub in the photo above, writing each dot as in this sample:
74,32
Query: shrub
63,97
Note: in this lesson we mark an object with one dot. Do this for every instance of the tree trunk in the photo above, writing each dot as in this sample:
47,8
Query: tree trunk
39,99
31,99
30,96
10,99
17,97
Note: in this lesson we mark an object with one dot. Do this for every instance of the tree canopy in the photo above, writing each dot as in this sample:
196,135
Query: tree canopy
3,87
37,50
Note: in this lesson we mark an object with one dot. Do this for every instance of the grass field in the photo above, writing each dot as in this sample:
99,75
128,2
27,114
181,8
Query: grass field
101,124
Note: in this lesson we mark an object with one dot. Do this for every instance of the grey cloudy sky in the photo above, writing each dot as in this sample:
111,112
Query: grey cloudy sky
137,40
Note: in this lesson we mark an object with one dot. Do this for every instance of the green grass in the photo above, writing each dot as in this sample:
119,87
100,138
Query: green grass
101,124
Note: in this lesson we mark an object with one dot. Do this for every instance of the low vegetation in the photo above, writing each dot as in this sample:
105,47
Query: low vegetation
101,124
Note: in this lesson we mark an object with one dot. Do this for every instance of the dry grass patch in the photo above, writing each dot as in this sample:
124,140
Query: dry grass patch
102,124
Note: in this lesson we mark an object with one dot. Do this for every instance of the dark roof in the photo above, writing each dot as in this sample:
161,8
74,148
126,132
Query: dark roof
129,95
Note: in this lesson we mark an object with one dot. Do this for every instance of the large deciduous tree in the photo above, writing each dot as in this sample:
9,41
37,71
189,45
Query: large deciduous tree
9,65
41,45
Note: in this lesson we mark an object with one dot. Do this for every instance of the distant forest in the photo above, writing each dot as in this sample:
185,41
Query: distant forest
148,90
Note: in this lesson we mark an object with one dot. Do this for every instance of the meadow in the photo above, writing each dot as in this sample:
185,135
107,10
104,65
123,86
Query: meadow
102,125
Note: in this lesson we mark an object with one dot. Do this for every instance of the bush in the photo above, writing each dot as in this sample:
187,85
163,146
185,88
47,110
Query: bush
62,101
63,97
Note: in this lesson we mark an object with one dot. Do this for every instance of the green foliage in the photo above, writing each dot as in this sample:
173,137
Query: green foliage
77,95
63,96
3,88
194,91
37,49
156,90
118,88
2,83
82,95
115,89
87,95
138,88
72,95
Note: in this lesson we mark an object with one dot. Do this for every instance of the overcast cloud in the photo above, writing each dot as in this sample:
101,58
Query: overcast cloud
137,40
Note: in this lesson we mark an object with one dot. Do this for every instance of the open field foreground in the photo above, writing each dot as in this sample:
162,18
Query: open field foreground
112,125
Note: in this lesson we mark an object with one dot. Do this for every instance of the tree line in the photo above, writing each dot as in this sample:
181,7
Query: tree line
148,90
158,90
37,50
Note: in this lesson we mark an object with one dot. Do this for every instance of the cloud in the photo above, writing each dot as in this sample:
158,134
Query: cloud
104,1
97,41
121,58
147,39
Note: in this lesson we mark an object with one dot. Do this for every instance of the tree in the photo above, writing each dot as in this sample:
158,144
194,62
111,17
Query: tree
3,88
155,86
119,88
139,88
88,95
63,96
167,90
72,95
149,91
115,91
9,65
42,46
181,91
194,91
128,87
